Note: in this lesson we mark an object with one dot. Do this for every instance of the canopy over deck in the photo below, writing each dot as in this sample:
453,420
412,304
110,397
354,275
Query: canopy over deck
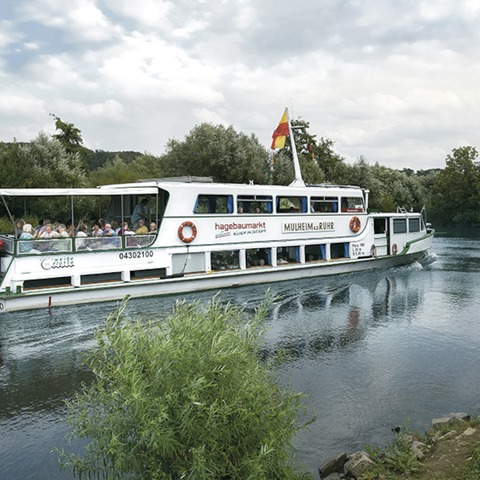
67,192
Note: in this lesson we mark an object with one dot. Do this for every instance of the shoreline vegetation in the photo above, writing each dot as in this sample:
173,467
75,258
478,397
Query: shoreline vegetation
449,450
187,396
191,396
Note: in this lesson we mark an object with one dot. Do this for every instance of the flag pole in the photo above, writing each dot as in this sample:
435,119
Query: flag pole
298,182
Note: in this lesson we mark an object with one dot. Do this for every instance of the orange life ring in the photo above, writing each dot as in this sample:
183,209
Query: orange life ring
394,249
355,224
182,237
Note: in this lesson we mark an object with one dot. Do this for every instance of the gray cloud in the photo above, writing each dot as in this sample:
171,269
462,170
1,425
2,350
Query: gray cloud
393,81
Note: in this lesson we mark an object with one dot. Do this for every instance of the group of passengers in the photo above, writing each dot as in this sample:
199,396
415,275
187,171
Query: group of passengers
57,230
46,229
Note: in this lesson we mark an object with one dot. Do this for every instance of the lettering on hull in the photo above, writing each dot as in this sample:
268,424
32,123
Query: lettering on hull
227,229
296,227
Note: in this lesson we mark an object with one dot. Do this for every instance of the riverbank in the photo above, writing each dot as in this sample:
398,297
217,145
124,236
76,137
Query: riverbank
449,450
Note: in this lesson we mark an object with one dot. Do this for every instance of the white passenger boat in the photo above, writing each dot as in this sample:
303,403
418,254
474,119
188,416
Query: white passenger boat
209,236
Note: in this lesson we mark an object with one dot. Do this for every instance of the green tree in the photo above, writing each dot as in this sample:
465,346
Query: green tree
50,165
188,398
318,161
219,152
14,167
69,135
457,189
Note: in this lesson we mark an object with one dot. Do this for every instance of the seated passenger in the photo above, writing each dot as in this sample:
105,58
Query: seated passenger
81,232
109,232
40,228
153,227
125,230
26,234
62,245
142,229
97,230
49,232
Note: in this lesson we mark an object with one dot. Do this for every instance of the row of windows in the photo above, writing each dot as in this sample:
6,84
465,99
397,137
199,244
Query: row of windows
264,204
258,257
400,225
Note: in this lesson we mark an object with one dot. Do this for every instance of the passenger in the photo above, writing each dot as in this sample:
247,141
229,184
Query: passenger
125,230
40,229
97,230
115,227
153,227
62,230
142,229
139,213
62,245
49,232
81,234
19,227
109,231
25,245
70,228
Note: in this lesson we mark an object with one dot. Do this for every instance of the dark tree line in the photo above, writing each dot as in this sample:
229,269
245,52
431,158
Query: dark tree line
451,195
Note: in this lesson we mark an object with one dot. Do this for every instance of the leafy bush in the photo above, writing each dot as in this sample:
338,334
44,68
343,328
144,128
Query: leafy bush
185,398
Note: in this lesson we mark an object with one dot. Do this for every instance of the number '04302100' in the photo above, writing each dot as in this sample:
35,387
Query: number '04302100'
135,254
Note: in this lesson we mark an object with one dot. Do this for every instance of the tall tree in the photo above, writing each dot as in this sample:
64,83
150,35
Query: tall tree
318,161
50,165
219,152
457,189
69,135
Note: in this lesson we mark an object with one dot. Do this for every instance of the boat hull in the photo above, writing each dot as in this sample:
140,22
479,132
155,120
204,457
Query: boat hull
62,296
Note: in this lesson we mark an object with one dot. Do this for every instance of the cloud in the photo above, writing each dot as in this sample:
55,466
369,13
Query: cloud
395,82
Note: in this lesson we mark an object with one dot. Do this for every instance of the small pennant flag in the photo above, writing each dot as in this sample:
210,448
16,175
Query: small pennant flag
280,134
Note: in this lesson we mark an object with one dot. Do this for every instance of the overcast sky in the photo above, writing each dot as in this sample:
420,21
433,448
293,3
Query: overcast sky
395,81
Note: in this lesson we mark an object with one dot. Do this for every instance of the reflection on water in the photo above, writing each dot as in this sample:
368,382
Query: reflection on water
368,350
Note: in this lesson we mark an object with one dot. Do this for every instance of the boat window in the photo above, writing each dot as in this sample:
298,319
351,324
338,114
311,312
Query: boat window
352,204
216,204
288,255
380,225
258,257
323,204
399,225
254,204
291,204
315,252
225,260
339,250
413,224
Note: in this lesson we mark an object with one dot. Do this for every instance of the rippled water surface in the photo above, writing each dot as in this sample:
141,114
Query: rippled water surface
368,350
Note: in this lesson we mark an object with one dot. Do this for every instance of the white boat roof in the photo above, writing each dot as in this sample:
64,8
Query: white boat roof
66,192
151,186
201,184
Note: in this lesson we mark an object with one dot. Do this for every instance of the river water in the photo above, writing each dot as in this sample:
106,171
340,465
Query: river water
368,350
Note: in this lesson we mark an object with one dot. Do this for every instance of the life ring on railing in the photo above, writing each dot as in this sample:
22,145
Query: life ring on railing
373,251
182,237
355,224
394,249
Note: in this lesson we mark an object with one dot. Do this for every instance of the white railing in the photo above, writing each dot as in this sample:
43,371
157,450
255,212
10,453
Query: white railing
53,245
8,244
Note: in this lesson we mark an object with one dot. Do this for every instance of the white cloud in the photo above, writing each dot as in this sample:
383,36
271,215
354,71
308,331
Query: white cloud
393,81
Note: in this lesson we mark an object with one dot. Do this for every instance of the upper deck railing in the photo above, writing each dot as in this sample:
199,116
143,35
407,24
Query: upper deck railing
75,244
